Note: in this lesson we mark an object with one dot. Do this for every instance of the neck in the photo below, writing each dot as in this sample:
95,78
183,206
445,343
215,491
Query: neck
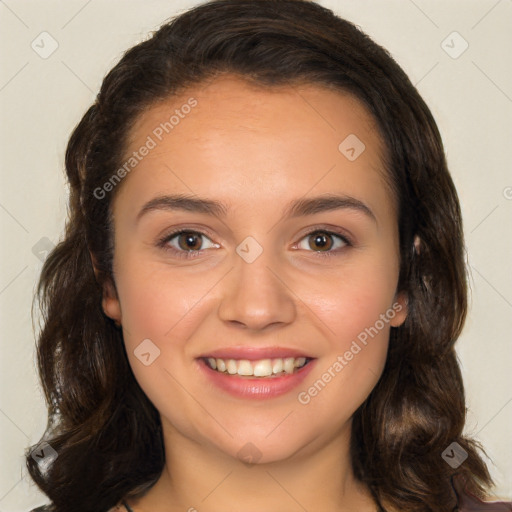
201,478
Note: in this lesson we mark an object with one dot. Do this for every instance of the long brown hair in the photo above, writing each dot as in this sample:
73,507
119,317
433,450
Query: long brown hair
106,432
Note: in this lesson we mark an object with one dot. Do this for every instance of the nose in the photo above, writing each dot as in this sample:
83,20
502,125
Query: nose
256,295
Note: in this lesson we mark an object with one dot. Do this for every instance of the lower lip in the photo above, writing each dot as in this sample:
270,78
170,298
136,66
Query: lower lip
258,387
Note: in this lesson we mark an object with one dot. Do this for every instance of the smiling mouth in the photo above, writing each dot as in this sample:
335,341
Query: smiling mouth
261,368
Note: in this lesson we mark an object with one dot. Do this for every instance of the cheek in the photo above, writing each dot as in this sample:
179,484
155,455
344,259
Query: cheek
356,311
162,306
354,355
165,306
354,301
156,302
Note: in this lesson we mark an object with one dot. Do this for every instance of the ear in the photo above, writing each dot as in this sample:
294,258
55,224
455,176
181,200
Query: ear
400,303
417,244
110,302
400,308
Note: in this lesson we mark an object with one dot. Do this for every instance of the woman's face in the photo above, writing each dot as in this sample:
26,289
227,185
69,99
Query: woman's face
271,272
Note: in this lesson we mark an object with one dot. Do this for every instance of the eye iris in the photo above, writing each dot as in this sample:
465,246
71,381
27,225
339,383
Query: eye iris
320,240
189,239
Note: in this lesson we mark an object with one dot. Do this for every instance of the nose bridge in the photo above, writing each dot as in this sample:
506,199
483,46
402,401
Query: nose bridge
255,294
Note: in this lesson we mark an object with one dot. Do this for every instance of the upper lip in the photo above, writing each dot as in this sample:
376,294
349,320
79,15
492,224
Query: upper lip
255,353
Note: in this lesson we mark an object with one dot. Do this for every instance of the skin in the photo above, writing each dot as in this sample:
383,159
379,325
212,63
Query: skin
256,150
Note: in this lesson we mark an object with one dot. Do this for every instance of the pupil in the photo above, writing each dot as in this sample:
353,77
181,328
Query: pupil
321,240
189,241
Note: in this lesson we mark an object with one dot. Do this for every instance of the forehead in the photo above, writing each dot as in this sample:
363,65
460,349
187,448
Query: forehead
242,141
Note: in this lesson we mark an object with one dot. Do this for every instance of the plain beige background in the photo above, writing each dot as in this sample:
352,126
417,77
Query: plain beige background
469,91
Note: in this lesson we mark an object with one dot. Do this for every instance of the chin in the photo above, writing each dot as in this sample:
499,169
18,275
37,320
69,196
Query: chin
258,449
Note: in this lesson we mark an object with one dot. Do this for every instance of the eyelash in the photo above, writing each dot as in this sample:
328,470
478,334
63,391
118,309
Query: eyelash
163,242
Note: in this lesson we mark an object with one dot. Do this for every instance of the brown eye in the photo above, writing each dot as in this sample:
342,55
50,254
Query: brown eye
320,241
189,241
186,243
323,242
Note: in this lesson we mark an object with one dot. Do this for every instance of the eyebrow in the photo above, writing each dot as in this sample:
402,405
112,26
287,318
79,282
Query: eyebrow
297,208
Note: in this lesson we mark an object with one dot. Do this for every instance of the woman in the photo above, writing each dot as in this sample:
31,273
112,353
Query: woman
256,301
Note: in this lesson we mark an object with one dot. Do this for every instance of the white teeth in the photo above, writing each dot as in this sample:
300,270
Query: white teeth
244,367
231,366
263,368
278,366
300,362
259,368
289,364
